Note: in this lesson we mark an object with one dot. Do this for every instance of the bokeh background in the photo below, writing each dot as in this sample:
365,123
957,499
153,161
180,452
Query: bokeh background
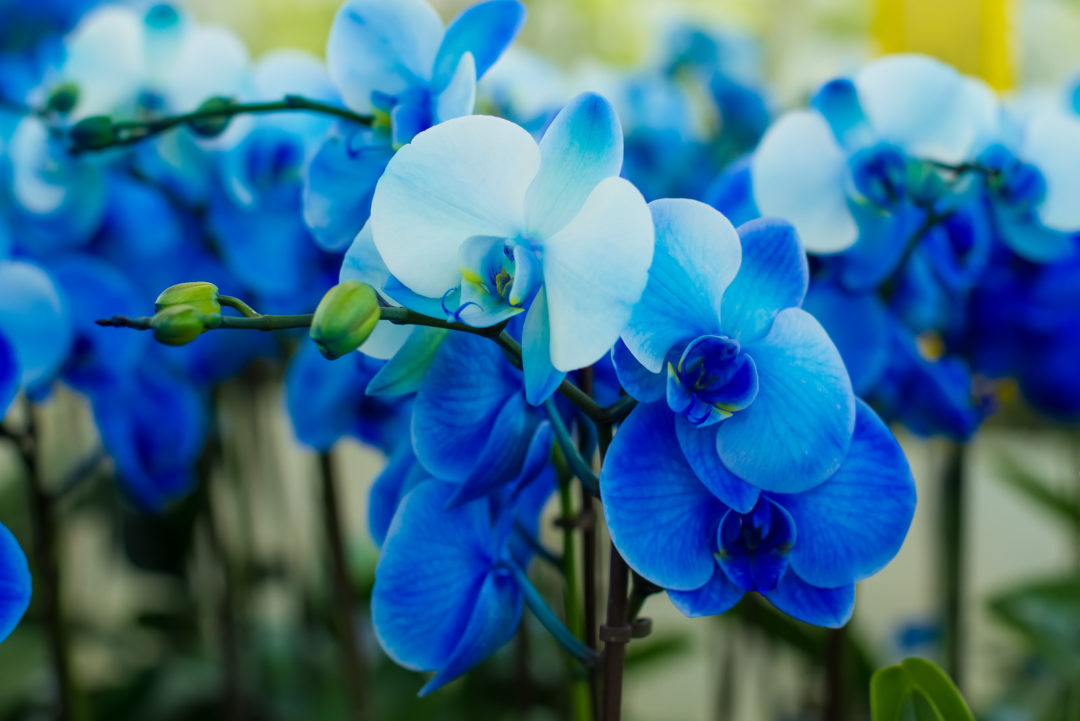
145,636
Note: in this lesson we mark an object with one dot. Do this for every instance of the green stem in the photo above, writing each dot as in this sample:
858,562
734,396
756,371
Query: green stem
549,620
952,561
235,303
580,698
574,459
136,131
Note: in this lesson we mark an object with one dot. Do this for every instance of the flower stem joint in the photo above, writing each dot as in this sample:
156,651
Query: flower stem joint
344,318
93,133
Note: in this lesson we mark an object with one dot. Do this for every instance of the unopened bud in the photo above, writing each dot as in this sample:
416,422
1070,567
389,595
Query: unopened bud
63,98
345,318
211,126
93,133
200,295
177,324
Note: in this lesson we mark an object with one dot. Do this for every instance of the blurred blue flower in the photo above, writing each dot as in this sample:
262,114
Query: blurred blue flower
9,375
467,603
327,401
474,218
15,583
153,426
759,392
396,61
36,321
804,552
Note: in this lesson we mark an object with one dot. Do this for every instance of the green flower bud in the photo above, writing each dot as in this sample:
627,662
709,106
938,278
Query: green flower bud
93,133
345,318
213,125
63,98
177,324
202,296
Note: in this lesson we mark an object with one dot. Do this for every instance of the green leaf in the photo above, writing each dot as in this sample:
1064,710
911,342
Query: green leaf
932,694
1062,506
1047,612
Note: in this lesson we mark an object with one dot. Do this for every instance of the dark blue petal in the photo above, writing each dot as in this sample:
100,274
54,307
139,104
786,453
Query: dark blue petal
859,326
9,375
661,517
401,475
716,596
838,102
466,388
755,546
15,584
485,30
854,523
499,461
773,276
434,564
638,381
829,607
699,446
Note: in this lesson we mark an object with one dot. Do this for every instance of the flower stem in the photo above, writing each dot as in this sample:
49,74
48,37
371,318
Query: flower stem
574,459
580,698
614,647
47,577
952,561
549,620
135,131
355,665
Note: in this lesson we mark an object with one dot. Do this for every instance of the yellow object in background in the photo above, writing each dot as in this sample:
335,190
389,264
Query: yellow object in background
975,36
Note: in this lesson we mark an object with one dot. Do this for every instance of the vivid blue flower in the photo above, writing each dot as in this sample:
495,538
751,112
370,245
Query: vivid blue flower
327,401
467,602
15,584
401,474
825,168
396,61
803,551
471,423
154,427
759,392
94,289
36,321
475,217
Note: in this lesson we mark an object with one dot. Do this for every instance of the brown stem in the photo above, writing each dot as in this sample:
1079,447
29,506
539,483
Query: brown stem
835,676
614,645
353,661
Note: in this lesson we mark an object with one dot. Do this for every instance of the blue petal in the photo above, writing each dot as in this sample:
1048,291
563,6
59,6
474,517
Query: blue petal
636,379
339,185
459,95
401,475
1050,142
717,596
732,193
859,326
797,431
35,319
1032,241
758,567
495,616
409,118
582,146
9,375
595,270
542,379
388,47
420,618
485,31
697,255
464,177
15,583
468,385
405,371
94,290
800,173
773,276
498,462
838,102
829,607
661,517
699,447
854,523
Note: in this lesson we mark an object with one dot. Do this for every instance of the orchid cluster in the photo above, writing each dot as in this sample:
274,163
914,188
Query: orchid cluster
513,300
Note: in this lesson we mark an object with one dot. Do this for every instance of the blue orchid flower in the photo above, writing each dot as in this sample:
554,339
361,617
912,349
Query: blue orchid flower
395,60
719,334
469,600
471,423
154,427
94,289
401,474
803,552
849,160
15,583
475,217
327,401
36,320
